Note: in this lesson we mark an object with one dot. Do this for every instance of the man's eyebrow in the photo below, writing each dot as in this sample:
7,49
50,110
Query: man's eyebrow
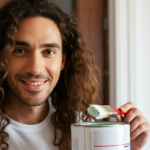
22,43
51,45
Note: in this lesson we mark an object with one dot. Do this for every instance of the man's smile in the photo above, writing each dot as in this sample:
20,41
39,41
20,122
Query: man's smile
36,61
34,85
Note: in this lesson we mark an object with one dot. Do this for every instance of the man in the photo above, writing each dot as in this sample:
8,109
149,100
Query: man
45,64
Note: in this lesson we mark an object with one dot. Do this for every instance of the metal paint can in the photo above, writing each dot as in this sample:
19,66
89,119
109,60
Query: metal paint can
100,136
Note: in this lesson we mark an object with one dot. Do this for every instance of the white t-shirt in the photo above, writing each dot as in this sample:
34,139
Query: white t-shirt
32,137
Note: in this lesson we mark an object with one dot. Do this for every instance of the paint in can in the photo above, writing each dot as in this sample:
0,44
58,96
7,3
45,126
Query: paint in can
100,136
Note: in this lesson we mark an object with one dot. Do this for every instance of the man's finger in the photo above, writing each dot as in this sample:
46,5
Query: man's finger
126,107
131,115
142,129
136,122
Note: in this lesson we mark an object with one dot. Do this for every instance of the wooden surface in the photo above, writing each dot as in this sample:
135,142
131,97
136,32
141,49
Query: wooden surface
105,55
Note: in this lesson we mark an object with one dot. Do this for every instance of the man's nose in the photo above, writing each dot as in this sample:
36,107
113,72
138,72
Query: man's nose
35,64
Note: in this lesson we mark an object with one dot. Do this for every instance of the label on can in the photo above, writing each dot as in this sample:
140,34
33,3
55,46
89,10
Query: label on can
100,136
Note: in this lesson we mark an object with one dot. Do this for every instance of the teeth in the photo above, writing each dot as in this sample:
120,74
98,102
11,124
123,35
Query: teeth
34,83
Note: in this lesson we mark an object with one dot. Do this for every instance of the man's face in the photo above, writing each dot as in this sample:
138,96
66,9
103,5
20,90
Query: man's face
36,62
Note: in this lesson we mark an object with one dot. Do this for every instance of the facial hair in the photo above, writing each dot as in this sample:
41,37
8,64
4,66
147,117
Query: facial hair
29,100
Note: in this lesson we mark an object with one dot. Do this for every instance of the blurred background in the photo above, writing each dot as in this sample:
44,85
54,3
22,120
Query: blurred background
92,18
118,33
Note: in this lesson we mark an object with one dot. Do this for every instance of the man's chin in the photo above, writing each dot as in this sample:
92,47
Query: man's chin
32,103
33,93
32,98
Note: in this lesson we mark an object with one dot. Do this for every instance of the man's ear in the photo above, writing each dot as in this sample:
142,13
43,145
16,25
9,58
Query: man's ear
63,61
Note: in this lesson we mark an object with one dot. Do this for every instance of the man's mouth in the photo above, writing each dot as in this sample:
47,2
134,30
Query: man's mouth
34,83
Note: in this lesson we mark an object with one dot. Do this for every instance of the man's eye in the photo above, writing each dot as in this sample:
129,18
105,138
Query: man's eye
50,52
19,51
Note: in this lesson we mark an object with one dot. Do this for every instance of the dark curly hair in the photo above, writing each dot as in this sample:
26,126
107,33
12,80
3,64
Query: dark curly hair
77,80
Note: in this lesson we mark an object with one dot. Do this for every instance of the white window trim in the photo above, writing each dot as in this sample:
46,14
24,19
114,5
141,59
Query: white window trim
122,56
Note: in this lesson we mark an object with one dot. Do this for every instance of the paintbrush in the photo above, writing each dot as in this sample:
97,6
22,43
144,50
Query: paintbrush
103,111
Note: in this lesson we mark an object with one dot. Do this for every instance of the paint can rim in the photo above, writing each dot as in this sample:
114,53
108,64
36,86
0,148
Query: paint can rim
99,124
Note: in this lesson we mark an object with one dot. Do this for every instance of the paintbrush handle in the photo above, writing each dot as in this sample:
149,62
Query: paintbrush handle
118,111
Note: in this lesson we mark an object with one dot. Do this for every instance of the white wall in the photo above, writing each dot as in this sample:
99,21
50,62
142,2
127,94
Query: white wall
143,55
129,45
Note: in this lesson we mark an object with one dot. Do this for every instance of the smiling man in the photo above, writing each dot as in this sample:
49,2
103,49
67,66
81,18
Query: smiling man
47,79
34,68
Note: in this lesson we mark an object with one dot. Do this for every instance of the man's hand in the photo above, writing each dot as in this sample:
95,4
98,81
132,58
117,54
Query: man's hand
139,126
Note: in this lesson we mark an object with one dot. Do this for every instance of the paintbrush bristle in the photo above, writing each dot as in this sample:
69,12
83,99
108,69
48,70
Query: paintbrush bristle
98,111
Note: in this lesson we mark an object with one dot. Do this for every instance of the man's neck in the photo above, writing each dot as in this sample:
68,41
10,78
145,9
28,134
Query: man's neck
29,115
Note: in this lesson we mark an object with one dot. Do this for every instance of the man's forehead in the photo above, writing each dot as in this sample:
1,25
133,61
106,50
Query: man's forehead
38,29
40,24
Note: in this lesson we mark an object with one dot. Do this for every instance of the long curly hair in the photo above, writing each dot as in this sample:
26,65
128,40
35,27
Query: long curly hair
77,86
